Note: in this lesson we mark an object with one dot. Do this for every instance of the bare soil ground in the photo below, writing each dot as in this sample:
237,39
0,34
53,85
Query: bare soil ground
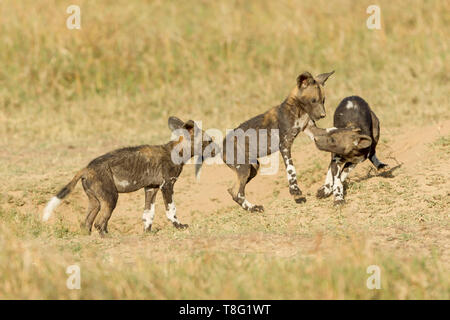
403,213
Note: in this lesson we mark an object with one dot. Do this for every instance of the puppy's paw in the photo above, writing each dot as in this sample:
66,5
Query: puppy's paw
383,167
322,193
180,225
257,208
102,234
294,190
339,203
299,199
84,229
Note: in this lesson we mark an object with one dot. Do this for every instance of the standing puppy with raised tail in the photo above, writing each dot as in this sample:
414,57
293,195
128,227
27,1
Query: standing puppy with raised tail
281,124
130,169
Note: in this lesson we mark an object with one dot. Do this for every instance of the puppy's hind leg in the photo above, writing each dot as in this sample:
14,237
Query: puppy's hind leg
377,163
94,208
294,189
244,172
108,202
376,135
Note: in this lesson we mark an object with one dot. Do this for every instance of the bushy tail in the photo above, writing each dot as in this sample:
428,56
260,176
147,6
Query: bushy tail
56,200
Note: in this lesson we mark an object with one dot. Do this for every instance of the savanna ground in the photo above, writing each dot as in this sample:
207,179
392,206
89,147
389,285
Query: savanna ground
67,96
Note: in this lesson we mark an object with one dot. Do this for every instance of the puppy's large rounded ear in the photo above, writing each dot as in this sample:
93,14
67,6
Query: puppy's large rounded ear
304,79
321,78
175,123
363,141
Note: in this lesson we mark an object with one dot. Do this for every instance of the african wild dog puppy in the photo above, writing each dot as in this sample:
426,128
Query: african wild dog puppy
352,140
130,169
283,123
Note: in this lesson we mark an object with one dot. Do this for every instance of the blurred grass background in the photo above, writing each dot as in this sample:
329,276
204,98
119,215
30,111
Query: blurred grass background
134,63
68,95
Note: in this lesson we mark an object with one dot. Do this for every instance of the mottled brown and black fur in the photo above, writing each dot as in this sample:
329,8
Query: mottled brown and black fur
130,169
353,139
304,105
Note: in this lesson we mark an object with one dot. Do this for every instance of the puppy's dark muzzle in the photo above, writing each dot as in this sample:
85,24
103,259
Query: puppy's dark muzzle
322,113
318,117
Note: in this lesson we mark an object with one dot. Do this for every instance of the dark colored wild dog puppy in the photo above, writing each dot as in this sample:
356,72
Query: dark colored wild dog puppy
130,169
353,140
281,124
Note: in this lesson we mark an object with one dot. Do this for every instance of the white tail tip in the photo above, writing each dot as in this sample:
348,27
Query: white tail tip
51,205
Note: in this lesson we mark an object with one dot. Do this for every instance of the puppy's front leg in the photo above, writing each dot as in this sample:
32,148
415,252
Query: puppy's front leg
327,189
346,171
171,210
338,187
149,209
285,149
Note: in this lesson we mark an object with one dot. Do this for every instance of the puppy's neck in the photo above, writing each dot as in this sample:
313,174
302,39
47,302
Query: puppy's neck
293,104
177,145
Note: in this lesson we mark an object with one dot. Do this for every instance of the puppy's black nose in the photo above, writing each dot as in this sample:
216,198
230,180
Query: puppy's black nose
322,115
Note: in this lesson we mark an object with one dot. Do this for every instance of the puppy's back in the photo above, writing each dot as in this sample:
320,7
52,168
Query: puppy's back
354,112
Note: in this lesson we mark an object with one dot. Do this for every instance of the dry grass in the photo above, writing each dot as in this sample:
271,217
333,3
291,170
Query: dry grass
67,96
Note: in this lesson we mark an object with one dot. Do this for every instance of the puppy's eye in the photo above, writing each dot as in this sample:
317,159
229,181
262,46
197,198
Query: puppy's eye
314,100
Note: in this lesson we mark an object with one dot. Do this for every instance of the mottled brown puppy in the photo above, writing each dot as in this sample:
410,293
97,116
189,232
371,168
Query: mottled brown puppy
130,169
281,125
